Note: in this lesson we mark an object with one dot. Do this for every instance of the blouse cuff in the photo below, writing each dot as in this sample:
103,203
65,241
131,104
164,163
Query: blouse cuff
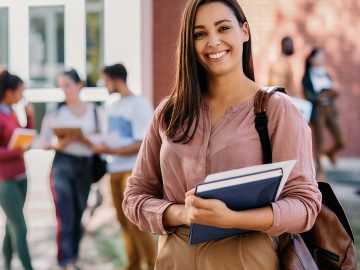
160,219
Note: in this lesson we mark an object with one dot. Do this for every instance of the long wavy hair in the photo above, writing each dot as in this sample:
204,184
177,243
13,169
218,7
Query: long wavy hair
181,110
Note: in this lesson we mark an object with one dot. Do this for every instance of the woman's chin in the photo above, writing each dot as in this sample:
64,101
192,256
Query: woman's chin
219,72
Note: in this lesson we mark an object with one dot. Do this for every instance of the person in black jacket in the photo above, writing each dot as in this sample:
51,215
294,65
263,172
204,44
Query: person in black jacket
319,90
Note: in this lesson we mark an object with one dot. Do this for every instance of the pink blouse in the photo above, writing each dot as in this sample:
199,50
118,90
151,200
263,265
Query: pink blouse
165,171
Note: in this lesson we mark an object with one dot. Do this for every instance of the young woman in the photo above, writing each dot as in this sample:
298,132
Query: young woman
319,90
13,182
207,126
72,167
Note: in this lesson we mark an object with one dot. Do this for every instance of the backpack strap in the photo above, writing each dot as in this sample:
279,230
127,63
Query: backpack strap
96,118
260,106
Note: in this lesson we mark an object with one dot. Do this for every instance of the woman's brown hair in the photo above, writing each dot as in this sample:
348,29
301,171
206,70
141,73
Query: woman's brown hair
180,113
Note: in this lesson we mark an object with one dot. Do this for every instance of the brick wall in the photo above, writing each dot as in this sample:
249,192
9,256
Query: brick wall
166,22
331,24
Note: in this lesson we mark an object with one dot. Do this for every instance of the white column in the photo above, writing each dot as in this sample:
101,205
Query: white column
122,19
147,48
19,39
75,36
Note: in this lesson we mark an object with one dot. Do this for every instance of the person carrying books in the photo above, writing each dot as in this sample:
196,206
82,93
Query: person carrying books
319,89
205,126
128,118
75,123
13,181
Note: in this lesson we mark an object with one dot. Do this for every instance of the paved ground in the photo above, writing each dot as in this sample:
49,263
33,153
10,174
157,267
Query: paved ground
101,247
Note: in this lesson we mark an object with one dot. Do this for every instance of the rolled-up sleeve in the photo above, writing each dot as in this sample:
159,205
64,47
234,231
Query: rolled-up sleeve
143,197
300,200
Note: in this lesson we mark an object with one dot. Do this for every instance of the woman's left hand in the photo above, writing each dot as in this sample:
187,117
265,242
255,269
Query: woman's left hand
207,211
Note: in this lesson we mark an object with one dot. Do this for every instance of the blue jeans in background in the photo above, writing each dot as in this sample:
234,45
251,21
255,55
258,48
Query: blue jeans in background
70,185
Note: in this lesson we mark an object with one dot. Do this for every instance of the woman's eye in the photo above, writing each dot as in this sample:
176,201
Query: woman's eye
224,28
199,35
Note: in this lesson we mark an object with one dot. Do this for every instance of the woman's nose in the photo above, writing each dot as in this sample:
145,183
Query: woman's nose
214,40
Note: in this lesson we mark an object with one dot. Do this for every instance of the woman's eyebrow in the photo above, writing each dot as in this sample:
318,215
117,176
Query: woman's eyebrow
216,23
221,21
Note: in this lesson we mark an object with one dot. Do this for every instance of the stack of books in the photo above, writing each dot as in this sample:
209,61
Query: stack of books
240,189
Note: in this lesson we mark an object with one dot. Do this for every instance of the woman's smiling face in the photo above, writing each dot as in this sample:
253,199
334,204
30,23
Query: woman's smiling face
218,39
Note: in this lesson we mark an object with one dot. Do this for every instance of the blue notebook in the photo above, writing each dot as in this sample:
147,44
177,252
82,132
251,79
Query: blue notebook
240,192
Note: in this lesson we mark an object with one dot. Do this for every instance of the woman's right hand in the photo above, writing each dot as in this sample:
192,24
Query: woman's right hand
178,214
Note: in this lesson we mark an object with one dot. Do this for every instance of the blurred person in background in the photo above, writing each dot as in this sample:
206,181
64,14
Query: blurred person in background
128,119
71,175
280,73
13,181
319,89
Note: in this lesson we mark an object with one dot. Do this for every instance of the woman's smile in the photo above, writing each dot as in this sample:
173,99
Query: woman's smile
215,56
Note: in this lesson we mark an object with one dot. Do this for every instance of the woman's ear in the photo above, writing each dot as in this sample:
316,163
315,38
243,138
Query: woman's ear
245,30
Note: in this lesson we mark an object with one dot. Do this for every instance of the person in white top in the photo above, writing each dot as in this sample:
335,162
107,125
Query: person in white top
71,175
320,91
128,120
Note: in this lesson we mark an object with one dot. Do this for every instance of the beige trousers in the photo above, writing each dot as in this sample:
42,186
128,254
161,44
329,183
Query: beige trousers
140,246
254,251
326,118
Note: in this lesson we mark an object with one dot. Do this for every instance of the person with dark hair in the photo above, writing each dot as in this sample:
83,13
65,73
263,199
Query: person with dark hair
206,126
116,71
128,119
71,175
280,73
319,89
13,181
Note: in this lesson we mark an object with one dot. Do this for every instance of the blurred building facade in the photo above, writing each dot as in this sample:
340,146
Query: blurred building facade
38,38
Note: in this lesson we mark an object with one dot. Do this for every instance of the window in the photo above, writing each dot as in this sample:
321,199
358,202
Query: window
4,38
38,38
46,45
94,41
